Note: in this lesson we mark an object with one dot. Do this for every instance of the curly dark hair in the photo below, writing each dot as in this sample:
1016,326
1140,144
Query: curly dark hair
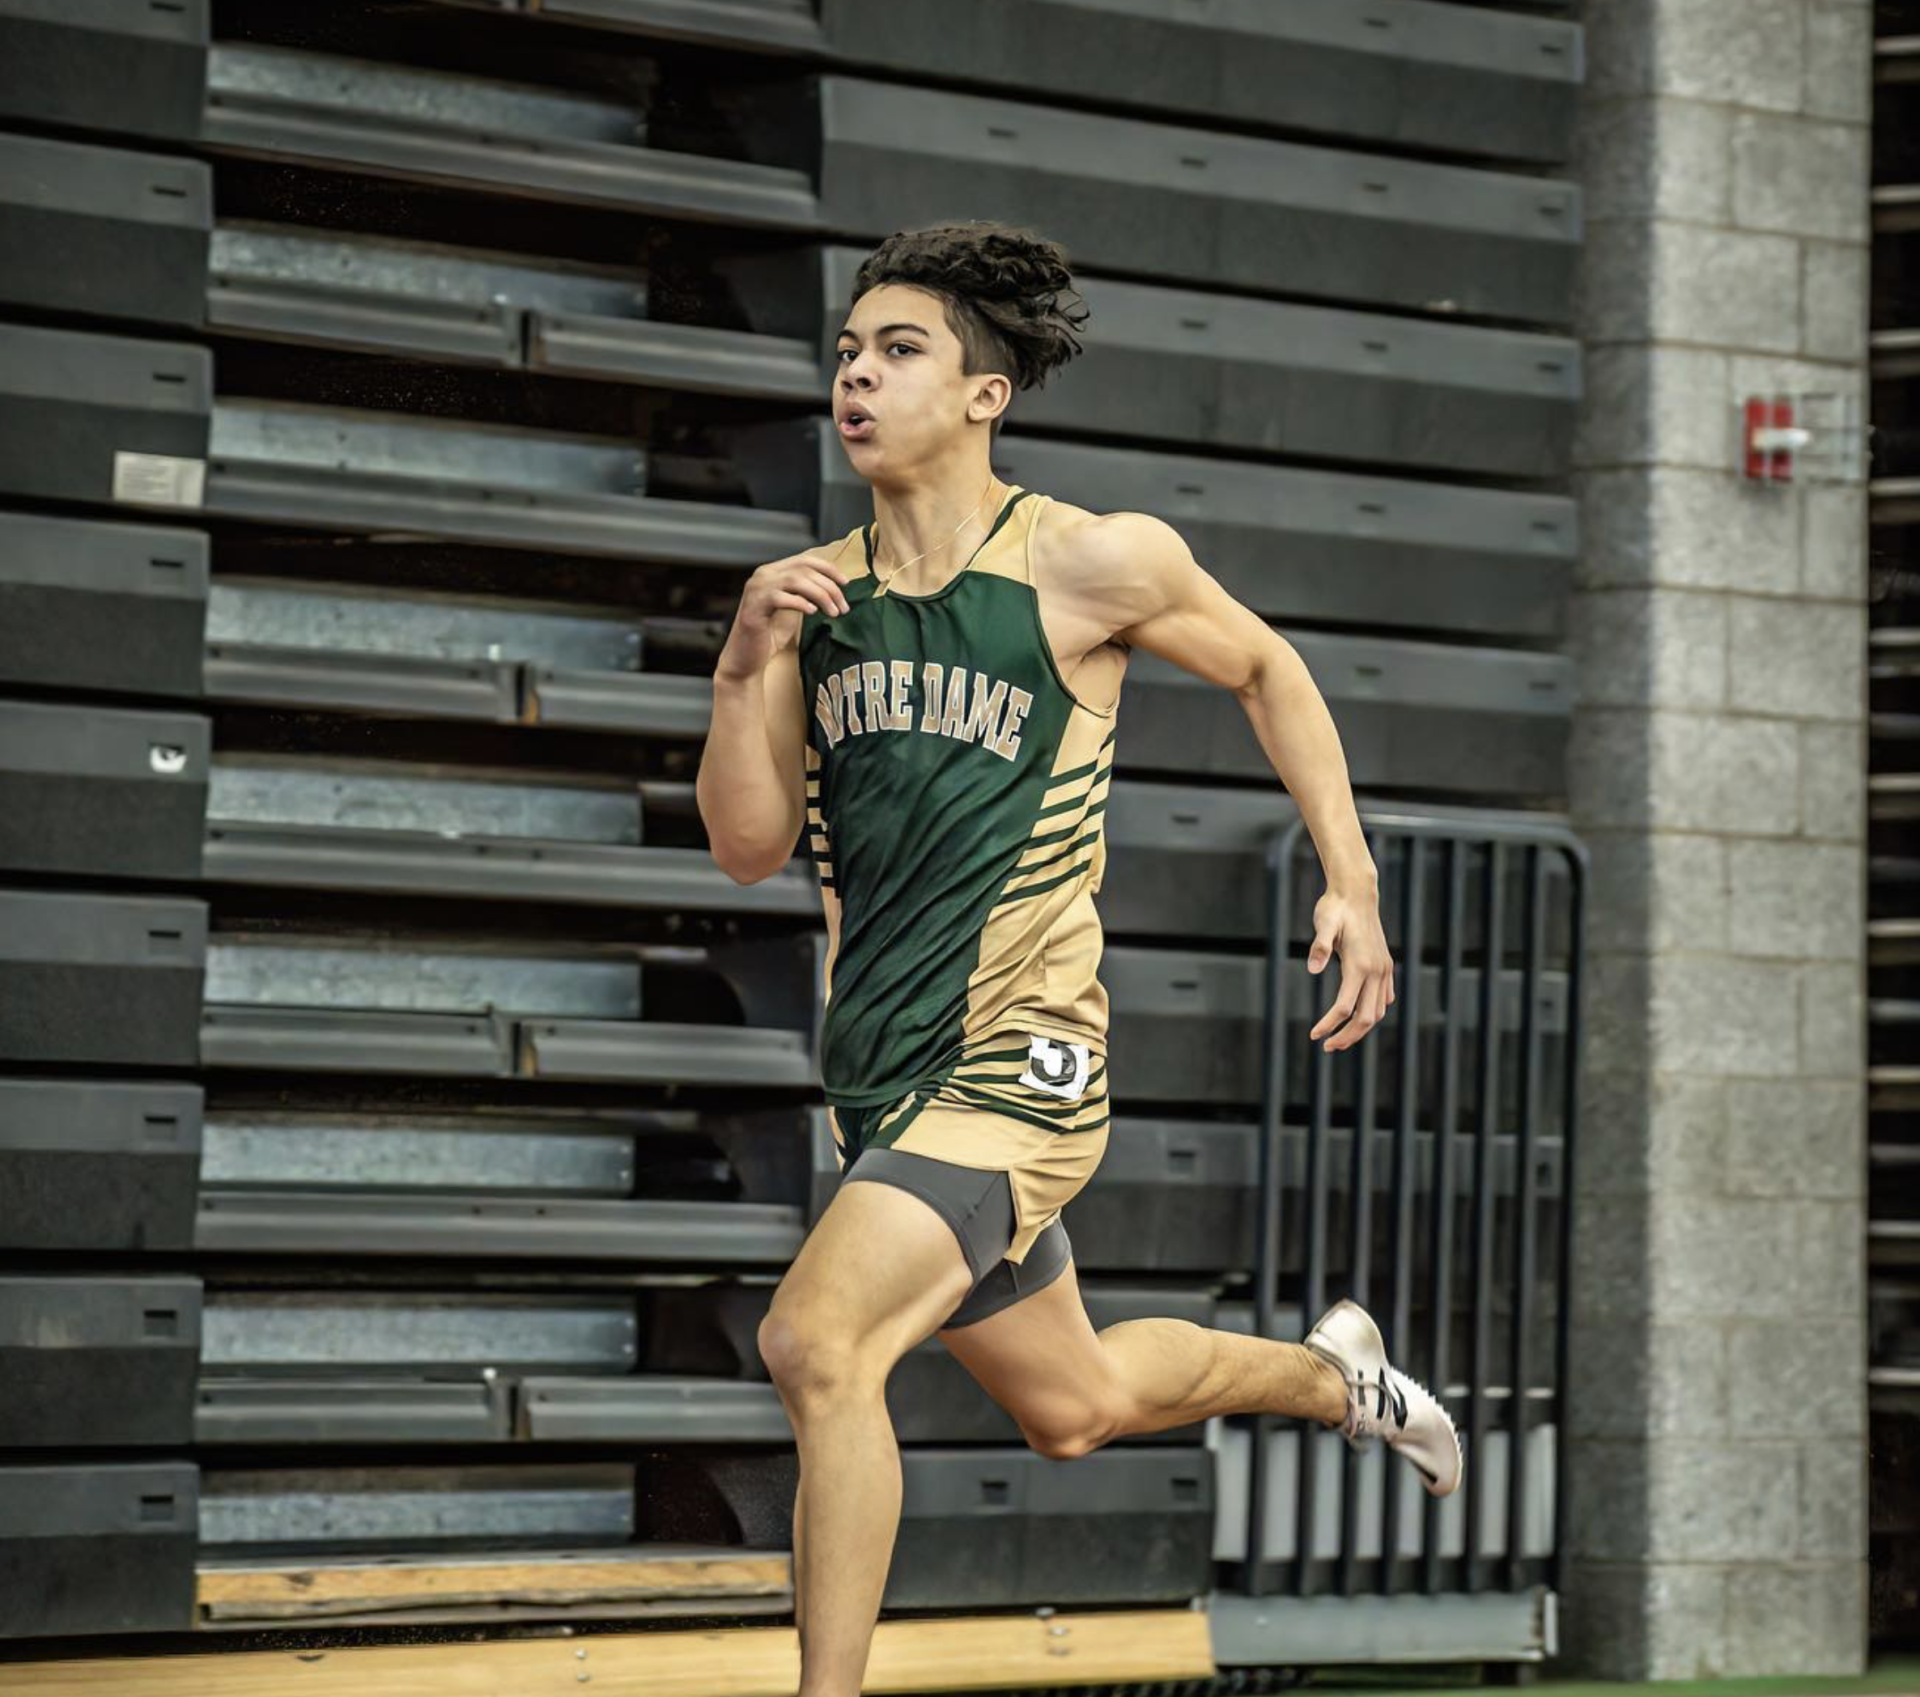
1000,287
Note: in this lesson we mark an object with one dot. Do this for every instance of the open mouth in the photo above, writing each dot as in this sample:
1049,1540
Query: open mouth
856,425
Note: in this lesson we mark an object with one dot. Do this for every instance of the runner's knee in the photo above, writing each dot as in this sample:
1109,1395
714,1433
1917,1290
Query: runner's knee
811,1362
1072,1430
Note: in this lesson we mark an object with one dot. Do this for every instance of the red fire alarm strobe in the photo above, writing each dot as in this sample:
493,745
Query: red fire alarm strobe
1818,434
1772,437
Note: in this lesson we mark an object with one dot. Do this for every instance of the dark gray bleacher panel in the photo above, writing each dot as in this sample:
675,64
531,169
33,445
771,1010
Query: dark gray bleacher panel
562,1152
105,65
298,1333
87,1164
983,1528
332,646
525,1184
651,1409
1174,1195
512,662
98,1360
1315,544
73,777
100,230
354,291
74,405
100,1547
100,978
351,1411
773,26
63,581
426,301
1484,722
662,1053
1200,370
1209,370
687,357
1188,1027
489,1046
319,1024
664,704
483,691
515,869
501,137
341,1040
998,1527
351,469
368,1223
1169,1196
1220,836
1197,205
1399,71
426,1507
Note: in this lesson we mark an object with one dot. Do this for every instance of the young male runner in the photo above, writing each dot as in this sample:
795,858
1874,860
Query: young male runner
933,699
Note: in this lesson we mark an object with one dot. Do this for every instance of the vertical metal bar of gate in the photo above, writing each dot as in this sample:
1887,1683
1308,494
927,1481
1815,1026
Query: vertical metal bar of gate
1456,839
1266,1235
1412,1002
1360,1257
1578,871
1440,1210
1486,1134
1314,1291
1526,1190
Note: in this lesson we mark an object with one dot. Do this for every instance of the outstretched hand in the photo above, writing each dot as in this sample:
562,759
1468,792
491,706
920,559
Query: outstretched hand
1351,926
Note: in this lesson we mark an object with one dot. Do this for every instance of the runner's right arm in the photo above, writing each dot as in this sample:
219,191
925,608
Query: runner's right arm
752,788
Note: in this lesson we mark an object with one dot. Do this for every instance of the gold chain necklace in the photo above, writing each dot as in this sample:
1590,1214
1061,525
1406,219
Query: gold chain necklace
962,525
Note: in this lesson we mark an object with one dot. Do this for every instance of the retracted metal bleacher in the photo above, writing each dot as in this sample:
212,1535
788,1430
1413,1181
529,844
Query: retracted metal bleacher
403,1123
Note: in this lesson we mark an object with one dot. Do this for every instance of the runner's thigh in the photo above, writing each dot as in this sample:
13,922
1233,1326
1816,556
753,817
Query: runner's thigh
880,1271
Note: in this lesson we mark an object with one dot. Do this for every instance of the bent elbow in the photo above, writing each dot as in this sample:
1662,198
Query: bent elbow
750,869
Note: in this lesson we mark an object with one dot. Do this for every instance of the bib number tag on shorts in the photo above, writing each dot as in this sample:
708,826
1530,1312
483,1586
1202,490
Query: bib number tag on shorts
1060,1069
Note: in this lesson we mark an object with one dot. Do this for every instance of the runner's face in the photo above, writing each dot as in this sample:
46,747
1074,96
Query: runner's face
899,363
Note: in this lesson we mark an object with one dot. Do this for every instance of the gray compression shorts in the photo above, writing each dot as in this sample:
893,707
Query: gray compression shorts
978,1205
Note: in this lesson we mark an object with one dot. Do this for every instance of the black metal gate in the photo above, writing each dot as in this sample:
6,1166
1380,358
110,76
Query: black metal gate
1436,1195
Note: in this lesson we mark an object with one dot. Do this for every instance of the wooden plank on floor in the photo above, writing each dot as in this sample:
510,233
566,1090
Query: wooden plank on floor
282,1590
959,1653
733,1609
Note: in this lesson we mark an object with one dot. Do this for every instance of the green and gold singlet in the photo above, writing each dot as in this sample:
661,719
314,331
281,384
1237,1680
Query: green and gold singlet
956,794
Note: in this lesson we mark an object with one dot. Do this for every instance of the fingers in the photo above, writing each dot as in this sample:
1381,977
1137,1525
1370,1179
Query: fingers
1370,992
809,582
823,582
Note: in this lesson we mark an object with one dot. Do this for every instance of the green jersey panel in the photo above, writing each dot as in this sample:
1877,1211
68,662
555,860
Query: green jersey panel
956,797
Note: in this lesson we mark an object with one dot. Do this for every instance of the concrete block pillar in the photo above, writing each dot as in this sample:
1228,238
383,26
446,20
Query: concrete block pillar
1718,773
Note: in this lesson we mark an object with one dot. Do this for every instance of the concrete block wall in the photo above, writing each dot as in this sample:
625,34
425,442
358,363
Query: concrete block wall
1718,1418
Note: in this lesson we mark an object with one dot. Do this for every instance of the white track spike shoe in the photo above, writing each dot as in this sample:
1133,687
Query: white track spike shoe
1382,1402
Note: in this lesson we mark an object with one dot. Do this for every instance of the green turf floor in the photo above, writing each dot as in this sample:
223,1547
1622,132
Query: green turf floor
1888,1674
